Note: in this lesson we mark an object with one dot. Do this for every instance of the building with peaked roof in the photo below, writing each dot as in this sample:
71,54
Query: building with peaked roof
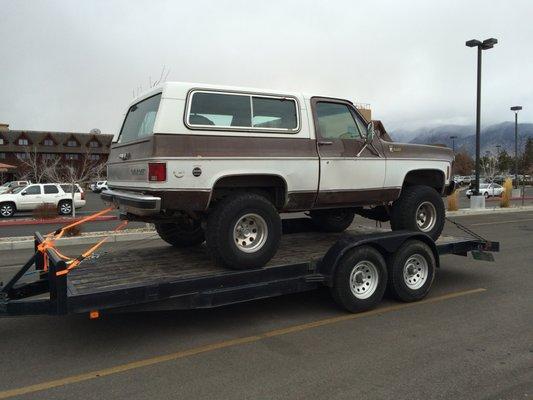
74,147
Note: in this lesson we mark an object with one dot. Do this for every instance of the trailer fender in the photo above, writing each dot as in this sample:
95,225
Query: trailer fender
387,243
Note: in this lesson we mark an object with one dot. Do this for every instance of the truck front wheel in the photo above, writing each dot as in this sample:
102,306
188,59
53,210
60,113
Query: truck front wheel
185,233
419,208
243,231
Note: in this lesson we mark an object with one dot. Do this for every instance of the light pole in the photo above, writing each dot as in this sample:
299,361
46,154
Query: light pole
516,109
485,45
453,143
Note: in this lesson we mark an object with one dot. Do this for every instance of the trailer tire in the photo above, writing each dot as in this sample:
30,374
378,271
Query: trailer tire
411,271
360,279
419,208
181,234
336,220
243,231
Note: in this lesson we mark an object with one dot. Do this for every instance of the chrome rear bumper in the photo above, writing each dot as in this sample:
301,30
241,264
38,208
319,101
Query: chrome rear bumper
135,203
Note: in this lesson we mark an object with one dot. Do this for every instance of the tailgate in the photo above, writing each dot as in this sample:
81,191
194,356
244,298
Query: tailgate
128,163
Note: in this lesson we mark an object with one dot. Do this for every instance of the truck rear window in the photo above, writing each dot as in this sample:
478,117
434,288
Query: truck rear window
140,120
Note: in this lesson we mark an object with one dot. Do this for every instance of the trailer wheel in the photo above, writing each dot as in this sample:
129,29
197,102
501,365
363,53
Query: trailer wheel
184,234
360,279
411,271
243,231
336,220
419,208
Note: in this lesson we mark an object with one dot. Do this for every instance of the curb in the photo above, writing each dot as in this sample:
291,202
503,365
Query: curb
465,212
28,243
64,220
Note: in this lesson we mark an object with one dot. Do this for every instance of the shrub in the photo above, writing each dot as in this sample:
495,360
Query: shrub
453,201
74,231
45,211
507,193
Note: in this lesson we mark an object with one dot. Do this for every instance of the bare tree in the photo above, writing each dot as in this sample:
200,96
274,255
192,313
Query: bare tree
35,166
77,172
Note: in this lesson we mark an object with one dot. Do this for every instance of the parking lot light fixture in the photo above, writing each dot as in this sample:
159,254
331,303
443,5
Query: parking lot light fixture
516,109
481,45
453,143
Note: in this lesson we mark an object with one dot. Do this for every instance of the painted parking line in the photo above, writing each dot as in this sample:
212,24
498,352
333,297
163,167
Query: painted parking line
221,345
502,222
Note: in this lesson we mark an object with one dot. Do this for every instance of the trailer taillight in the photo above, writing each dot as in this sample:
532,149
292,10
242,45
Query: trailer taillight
157,172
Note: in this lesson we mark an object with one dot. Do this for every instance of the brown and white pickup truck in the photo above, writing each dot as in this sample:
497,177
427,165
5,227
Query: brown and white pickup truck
219,164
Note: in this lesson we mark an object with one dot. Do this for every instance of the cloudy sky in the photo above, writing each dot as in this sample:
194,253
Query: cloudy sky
74,65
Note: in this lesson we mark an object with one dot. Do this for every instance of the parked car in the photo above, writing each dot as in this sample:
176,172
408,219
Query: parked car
235,158
98,186
487,190
27,198
9,186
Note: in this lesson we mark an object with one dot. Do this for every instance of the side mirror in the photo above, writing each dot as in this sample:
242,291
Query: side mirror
23,194
370,132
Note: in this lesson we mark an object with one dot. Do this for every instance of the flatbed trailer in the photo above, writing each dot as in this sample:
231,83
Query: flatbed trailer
166,278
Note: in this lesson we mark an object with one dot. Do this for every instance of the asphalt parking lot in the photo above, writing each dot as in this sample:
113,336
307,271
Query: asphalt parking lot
472,338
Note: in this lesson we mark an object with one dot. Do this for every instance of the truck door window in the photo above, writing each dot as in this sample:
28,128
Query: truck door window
335,121
31,190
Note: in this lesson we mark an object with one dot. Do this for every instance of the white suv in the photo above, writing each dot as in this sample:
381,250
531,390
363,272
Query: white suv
30,197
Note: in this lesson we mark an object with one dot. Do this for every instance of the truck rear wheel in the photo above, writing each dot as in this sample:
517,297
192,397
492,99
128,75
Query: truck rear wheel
411,271
360,279
243,231
186,233
419,208
336,220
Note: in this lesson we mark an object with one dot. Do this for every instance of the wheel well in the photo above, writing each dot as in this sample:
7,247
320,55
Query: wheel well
428,177
10,202
273,187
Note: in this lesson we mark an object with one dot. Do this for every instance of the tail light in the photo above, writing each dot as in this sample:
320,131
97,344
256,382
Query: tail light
83,195
157,172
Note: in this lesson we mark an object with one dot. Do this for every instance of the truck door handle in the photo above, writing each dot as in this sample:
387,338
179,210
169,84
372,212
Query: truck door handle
325,142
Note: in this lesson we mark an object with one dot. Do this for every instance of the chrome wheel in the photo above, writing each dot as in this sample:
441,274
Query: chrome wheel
250,233
426,216
65,208
6,210
364,279
415,271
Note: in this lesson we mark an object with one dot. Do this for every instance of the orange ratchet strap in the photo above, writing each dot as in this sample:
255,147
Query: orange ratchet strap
50,238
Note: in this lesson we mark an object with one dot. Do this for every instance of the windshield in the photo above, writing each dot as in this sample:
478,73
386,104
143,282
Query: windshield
17,189
140,120
6,184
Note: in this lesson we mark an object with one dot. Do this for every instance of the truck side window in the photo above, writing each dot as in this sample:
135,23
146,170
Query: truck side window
247,112
223,110
335,121
50,189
